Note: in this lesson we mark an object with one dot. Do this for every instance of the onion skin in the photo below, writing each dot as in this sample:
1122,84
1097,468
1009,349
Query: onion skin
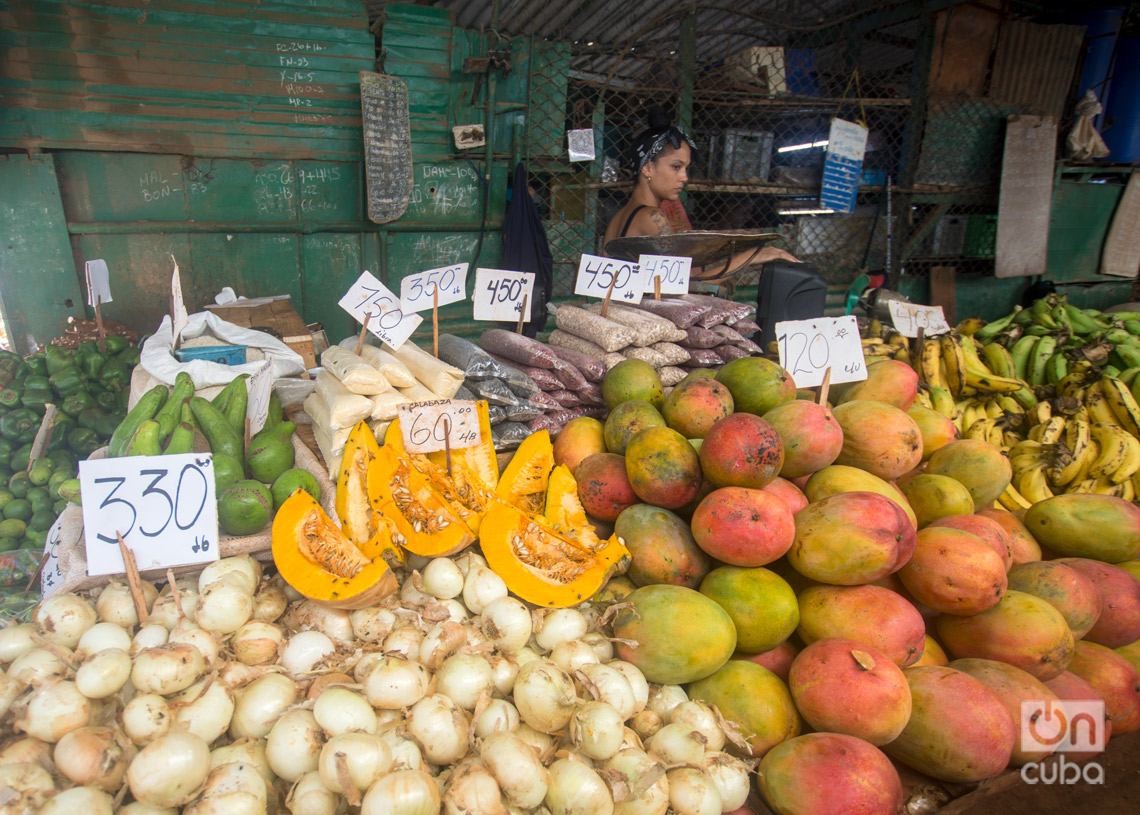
90,756
169,770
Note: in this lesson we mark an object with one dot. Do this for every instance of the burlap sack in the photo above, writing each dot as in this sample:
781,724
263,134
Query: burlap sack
73,552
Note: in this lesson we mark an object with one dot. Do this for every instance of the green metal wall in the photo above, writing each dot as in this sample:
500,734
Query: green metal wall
227,134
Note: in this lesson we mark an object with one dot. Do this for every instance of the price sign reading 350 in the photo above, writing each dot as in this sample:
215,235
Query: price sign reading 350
163,506
499,294
371,299
809,347
417,290
432,426
597,274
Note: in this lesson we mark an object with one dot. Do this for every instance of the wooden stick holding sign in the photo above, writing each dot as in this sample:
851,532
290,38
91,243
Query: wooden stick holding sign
522,315
435,321
657,287
825,387
447,443
99,325
133,579
35,578
43,435
363,333
609,296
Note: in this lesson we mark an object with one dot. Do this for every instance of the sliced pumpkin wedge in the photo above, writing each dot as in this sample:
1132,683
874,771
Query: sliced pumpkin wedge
426,522
313,555
540,564
360,520
564,510
523,483
479,459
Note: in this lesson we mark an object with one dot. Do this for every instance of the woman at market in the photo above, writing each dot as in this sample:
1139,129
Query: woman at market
661,156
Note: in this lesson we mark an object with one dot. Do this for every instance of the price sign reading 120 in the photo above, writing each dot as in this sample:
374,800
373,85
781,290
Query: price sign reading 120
809,347
598,275
163,506
419,291
432,426
369,299
499,294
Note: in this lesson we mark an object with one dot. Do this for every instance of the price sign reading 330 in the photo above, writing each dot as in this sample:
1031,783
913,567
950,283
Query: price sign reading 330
417,290
809,347
597,274
371,299
432,426
499,294
163,506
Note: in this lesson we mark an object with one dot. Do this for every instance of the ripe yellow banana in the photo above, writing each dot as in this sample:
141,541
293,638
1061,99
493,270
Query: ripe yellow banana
1105,486
1114,449
1097,405
1128,490
1122,403
998,360
1040,413
923,398
993,409
954,362
1053,430
991,383
1123,474
1033,484
1012,500
942,401
1009,404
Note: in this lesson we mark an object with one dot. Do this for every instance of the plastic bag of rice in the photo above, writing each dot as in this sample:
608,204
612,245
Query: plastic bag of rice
436,375
650,355
597,329
613,359
385,406
674,354
591,367
670,375
564,339
355,374
394,371
343,408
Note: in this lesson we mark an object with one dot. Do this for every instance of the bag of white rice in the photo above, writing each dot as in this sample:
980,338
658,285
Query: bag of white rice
356,374
386,405
441,379
394,371
344,407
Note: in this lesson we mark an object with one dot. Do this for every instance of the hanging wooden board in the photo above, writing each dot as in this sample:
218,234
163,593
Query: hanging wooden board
1026,195
1121,256
387,145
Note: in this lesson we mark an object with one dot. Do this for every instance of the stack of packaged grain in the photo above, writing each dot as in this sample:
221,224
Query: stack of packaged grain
371,386
568,383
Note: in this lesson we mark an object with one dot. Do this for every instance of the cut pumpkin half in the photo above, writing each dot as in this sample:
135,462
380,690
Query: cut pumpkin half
542,565
360,519
313,556
523,483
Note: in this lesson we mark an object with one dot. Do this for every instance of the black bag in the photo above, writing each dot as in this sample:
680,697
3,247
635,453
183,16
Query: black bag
526,249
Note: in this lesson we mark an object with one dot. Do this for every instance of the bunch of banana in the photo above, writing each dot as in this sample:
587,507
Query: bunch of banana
882,342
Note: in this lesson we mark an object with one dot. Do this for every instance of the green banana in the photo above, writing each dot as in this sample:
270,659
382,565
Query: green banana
1026,398
999,360
1111,370
1123,316
1020,353
1082,323
1061,317
1128,375
217,430
145,440
991,330
1132,327
168,416
1037,362
1023,317
144,409
1037,330
1117,336
1129,354
1056,368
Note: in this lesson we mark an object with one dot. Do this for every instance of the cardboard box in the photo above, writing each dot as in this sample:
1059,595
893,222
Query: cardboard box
277,315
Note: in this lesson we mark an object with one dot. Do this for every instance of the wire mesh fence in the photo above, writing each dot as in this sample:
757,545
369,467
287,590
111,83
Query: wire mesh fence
758,92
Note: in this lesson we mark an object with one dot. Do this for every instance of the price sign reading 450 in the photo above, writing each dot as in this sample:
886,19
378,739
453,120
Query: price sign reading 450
417,290
673,271
499,294
809,347
163,506
909,317
369,299
432,426
597,274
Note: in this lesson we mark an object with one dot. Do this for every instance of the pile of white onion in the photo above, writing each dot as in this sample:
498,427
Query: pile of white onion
239,696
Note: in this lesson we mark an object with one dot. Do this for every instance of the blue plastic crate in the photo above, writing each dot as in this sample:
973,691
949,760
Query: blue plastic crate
223,354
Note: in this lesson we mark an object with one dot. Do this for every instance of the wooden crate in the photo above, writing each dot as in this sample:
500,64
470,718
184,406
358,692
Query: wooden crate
278,315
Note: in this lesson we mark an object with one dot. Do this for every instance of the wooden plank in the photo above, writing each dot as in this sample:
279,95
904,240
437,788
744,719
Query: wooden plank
1026,195
1121,256
963,36
943,290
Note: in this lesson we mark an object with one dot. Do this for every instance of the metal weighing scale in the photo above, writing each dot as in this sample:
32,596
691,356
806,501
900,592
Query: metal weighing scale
706,248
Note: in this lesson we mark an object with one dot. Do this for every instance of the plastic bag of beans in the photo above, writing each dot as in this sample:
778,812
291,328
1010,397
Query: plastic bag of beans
517,348
590,367
680,313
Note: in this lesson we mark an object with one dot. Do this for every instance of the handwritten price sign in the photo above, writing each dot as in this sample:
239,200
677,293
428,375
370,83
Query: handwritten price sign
163,506
426,425
909,317
416,291
499,294
371,299
596,274
51,578
809,347
673,271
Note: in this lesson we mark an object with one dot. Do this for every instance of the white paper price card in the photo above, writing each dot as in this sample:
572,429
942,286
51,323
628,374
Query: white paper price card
417,290
178,315
98,282
259,387
51,578
673,271
597,274
809,347
909,317
499,294
163,506
371,299
432,426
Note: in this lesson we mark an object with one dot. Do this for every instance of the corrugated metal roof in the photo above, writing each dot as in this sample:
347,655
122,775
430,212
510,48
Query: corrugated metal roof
1034,65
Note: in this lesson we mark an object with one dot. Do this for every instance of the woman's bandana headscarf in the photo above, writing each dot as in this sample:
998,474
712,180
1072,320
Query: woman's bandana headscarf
650,144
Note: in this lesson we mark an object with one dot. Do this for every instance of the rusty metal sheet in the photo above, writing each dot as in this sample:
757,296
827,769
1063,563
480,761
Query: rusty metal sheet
1034,65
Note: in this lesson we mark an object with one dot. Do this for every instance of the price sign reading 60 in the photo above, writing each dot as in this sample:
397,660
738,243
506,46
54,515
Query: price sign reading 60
164,507
432,426
809,347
